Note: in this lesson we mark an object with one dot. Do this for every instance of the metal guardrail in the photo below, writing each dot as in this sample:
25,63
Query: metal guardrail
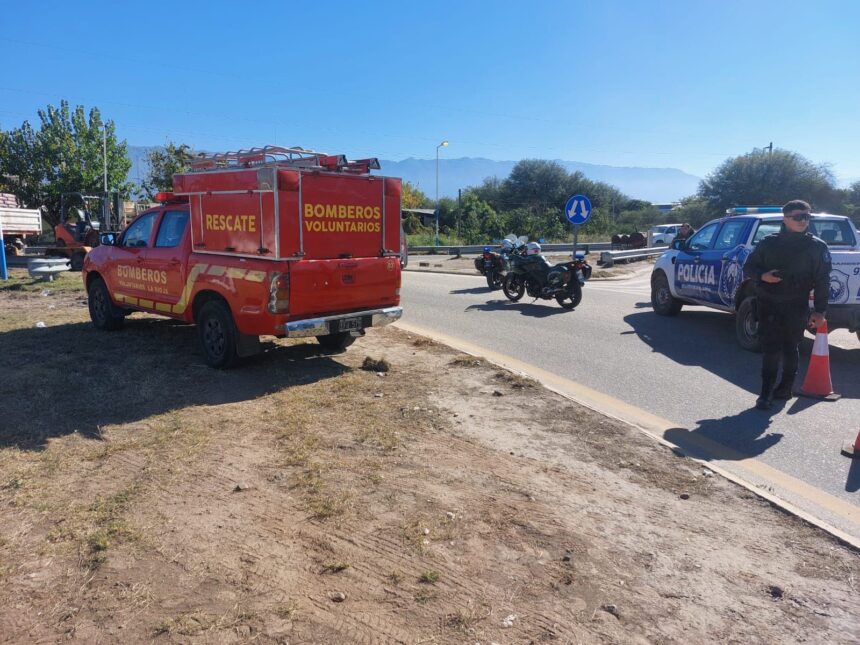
475,249
608,258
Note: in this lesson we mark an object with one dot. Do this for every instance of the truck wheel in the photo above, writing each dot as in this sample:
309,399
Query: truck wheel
103,313
662,300
218,334
337,342
746,325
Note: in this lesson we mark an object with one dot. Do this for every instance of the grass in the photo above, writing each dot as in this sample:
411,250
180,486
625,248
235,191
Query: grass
334,567
465,360
21,282
429,577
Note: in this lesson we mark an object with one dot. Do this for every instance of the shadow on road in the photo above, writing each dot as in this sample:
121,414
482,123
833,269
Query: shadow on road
73,378
534,310
707,339
734,437
483,289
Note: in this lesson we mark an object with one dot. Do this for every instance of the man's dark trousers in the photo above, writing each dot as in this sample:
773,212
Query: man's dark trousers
780,330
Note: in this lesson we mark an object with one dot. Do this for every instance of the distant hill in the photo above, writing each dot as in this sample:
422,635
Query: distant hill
653,184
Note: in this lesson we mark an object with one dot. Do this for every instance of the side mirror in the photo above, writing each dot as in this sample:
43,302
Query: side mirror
679,245
107,239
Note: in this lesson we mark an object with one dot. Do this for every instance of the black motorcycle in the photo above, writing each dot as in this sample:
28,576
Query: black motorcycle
532,274
493,266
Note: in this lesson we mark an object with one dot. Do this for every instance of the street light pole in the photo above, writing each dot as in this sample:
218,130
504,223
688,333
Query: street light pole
444,144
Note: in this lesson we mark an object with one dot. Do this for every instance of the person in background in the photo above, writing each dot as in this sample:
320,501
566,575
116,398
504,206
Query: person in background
685,232
785,267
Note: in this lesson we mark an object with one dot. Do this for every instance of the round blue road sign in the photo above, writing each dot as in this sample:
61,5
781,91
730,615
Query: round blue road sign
578,209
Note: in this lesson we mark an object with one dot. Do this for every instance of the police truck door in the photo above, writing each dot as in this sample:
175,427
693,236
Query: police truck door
695,276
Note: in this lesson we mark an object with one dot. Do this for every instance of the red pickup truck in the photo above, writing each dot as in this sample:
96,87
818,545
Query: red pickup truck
270,241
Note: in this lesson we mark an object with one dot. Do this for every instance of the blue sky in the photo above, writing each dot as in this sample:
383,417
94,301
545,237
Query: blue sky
661,84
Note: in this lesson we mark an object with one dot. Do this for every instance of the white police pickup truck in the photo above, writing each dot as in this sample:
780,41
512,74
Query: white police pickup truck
707,269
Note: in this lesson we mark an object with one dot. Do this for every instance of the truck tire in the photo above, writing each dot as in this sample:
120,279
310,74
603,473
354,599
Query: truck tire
337,342
217,333
662,300
746,325
104,314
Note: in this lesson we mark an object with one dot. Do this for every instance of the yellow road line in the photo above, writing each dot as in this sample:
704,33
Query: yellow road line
657,427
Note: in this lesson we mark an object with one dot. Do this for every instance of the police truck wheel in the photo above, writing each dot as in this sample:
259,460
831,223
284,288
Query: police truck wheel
218,334
495,280
514,287
746,326
571,298
103,313
336,342
662,300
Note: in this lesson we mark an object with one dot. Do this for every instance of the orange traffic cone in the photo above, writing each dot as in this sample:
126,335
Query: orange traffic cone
852,450
817,384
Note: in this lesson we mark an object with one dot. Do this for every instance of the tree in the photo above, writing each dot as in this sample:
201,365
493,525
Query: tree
163,164
64,155
478,221
761,177
411,197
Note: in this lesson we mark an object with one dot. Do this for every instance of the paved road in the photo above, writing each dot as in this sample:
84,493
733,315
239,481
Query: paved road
687,370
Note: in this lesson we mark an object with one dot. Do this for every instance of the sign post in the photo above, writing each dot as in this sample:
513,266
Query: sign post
4,273
578,212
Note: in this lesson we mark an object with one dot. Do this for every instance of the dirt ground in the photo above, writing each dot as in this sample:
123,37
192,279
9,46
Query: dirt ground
466,264
420,496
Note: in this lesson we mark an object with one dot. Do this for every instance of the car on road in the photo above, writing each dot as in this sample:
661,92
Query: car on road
707,269
663,234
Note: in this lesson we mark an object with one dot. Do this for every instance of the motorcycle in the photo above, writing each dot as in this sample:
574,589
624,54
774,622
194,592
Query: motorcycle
494,264
534,275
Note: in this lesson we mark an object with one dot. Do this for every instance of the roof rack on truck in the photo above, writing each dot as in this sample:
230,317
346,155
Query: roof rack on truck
293,157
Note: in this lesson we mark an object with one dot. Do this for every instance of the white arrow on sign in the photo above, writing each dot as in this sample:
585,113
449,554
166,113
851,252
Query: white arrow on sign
579,205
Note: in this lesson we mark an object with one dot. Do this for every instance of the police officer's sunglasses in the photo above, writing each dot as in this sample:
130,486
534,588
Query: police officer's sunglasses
802,217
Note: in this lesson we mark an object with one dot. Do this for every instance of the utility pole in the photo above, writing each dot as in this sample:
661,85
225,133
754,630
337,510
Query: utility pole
770,148
104,152
459,211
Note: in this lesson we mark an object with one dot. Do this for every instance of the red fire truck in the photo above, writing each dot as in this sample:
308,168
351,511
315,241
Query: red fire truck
273,241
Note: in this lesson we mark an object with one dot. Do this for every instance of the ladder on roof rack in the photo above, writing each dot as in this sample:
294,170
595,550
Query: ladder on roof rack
295,155
292,157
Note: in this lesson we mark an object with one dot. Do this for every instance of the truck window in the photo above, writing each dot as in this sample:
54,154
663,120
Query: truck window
730,235
765,228
833,232
702,240
172,228
137,235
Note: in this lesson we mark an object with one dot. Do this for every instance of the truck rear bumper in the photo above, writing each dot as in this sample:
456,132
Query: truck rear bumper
330,324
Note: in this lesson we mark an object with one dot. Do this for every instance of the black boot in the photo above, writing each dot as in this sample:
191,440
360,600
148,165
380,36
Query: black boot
783,390
765,399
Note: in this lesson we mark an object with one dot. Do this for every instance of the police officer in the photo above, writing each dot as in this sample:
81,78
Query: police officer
786,266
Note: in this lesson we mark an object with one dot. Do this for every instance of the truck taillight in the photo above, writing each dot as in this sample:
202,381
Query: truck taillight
279,293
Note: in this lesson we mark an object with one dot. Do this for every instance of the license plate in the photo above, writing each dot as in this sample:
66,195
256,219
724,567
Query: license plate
349,324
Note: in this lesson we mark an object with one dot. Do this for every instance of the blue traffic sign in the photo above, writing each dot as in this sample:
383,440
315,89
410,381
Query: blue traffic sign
578,209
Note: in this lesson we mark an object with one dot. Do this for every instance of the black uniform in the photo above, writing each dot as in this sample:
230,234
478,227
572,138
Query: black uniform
783,307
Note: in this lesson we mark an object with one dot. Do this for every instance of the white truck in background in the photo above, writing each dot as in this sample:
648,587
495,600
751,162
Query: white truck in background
17,224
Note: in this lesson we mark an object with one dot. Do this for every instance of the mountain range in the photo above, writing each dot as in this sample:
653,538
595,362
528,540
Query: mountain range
657,185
